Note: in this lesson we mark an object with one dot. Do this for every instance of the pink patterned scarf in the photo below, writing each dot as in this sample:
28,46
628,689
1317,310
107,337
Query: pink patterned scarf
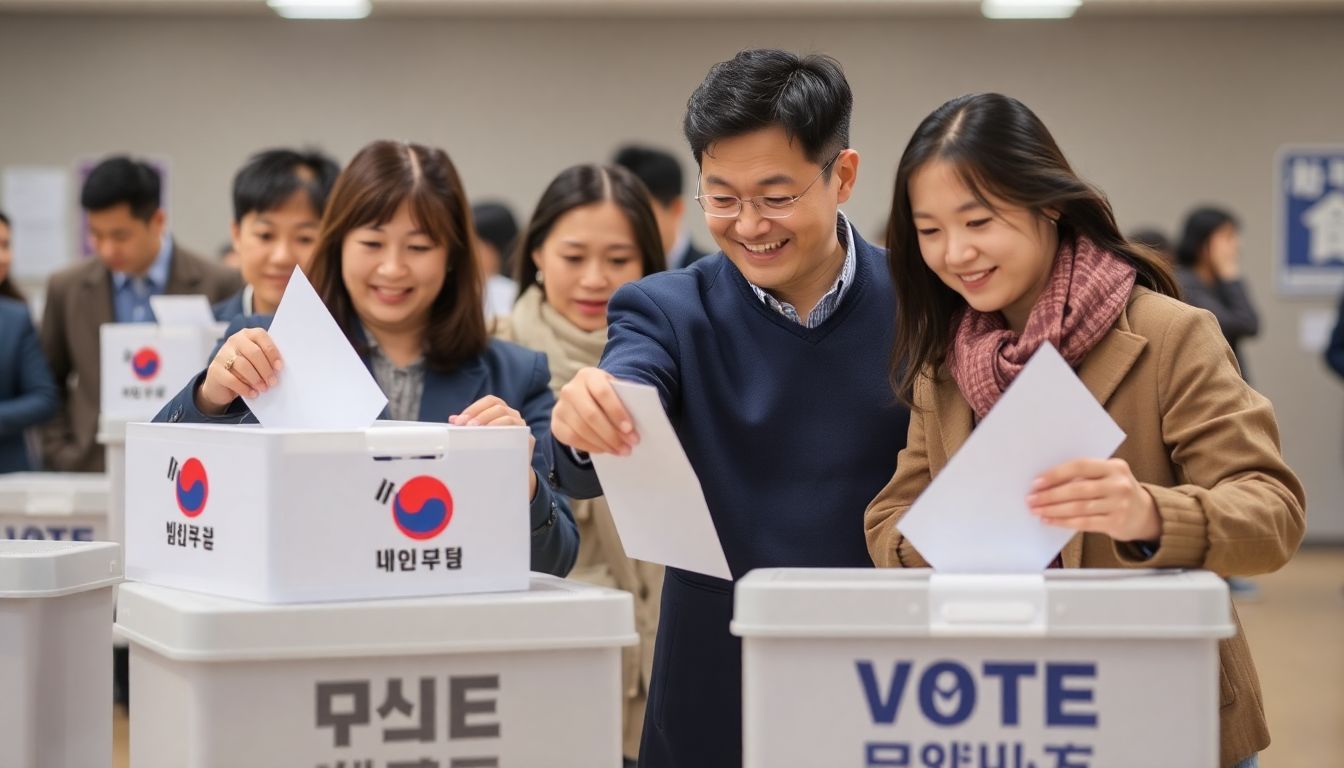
1087,290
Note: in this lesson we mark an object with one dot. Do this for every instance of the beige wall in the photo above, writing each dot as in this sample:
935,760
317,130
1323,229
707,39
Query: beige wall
1161,113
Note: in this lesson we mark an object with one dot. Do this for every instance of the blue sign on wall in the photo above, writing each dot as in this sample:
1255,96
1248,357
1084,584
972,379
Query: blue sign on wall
1309,197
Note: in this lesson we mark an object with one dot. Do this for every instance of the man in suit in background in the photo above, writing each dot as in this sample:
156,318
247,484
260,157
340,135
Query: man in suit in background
136,259
661,173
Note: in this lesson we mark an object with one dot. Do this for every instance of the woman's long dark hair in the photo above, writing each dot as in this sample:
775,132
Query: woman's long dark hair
999,148
7,286
581,185
368,192
1198,231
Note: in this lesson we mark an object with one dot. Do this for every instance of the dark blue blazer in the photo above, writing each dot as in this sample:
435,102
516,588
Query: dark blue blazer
518,376
28,394
229,309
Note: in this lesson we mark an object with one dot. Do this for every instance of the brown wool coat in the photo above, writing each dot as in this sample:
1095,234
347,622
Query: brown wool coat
1201,441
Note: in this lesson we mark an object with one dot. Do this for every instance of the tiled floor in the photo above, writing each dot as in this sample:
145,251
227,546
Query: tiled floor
1296,630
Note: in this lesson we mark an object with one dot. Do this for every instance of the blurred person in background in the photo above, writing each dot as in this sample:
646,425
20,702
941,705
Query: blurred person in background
496,231
227,256
278,199
27,392
661,173
135,259
1208,268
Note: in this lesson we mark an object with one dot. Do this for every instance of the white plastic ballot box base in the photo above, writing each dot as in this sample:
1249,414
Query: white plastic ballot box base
892,667
395,510
517,679
55,670
55,506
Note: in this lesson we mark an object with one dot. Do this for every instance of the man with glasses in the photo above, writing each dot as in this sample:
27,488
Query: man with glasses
771,360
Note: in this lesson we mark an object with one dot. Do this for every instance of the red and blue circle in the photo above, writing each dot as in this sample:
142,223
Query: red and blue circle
422,508
193,487
145,363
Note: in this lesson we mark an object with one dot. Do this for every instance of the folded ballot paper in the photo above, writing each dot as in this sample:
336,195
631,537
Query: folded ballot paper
323,383
654,495
192,310
973,517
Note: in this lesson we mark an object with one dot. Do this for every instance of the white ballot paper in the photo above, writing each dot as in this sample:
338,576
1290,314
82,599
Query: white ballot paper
654,495
973,517
322,382
191,310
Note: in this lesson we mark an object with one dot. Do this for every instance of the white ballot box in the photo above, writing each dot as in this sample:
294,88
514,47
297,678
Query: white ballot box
58,506
475,681
55,671
902,668
143,365
394,510
112,436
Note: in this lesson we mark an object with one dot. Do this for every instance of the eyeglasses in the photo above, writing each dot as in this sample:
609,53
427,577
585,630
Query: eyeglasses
767,206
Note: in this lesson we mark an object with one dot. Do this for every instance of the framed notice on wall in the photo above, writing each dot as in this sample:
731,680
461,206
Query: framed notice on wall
1309,219
37,199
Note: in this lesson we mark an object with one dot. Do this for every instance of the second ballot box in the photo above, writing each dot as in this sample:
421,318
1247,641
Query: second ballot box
897,668
274,515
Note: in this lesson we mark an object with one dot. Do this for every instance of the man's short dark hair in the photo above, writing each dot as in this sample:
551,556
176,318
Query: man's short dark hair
271,177
494,223
807,96
118,180
659,170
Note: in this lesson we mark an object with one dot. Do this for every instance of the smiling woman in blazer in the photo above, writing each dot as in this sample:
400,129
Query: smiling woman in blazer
395,266
27,392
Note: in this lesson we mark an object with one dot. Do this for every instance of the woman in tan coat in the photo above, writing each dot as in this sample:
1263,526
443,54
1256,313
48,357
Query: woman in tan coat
997,247
592,232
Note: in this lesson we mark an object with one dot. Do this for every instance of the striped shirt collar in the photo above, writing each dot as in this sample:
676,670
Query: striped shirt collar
829,302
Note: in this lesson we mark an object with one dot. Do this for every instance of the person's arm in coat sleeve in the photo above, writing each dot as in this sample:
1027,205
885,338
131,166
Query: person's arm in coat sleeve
641,347
555,536
1241,511
886,545
183,408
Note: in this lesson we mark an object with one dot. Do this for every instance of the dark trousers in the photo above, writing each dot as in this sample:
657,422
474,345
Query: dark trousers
694,716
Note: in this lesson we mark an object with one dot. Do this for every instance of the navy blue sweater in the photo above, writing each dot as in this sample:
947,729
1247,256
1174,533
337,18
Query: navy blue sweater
792,431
